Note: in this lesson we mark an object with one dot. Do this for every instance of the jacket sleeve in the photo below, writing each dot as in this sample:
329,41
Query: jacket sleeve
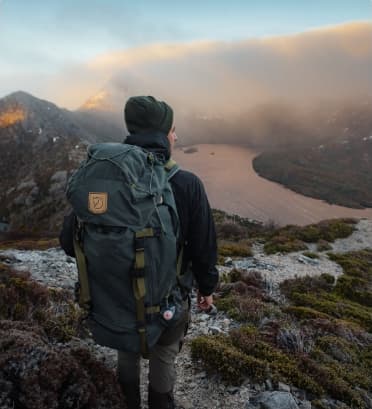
66,235
201,240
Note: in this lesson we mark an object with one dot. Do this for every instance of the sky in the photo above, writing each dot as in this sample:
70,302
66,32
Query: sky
46,43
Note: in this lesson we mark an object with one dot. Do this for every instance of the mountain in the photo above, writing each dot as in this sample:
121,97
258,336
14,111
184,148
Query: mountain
41,145
339,172
100,117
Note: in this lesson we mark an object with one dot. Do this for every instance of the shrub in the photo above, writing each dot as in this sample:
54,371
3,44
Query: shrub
323,245
231,231
356,282
220,355
22,299
307,284
310,254
292,238
283,244
320,342
35,374
235,249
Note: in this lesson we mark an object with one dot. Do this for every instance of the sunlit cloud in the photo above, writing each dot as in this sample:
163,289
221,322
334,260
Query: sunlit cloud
229,76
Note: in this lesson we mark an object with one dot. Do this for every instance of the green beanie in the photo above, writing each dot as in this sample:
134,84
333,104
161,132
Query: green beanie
144,114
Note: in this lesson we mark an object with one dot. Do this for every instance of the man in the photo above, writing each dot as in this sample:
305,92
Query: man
151,126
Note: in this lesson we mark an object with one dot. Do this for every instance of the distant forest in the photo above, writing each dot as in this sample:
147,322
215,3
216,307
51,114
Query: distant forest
339,173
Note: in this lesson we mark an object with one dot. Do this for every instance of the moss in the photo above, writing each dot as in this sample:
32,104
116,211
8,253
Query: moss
244,309
310,254
29,244
235,249
355,289
323,245
338,348
231,231
283,244
307,284
356,282
336,307
305,313
293,238
332,382
219,355
282,366
335,359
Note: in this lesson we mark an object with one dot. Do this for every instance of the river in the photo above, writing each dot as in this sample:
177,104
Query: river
233,185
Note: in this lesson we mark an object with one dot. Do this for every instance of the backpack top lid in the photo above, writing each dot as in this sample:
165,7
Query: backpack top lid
120,185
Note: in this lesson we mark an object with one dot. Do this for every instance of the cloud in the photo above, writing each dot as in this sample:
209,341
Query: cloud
228,77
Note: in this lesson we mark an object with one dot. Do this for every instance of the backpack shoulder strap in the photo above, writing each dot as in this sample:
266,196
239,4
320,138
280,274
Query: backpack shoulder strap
172,168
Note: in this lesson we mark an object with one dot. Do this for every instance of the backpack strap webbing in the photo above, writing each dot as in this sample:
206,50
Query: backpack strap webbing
84,299
172,168
139,287
170,164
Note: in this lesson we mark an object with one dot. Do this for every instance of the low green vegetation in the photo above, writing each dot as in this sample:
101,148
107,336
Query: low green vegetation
27,241
291,238
319,340
30,244
310,254
294,238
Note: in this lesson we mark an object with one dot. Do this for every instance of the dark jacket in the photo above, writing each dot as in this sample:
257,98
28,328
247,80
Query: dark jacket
197,227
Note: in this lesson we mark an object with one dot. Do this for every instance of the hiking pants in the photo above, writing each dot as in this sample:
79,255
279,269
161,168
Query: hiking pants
162,373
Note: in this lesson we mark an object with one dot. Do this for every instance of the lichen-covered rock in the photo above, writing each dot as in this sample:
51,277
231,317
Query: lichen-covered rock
276,400
35,374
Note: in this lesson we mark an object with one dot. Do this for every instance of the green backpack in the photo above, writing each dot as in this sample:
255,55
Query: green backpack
126,245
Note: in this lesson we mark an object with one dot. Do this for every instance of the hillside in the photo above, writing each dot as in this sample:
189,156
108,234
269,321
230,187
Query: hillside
287,326
41,145
338,172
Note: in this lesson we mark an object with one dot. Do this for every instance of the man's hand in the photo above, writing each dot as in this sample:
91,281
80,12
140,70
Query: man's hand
205,302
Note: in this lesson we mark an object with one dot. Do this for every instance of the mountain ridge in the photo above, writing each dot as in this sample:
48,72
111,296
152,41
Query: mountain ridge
42,145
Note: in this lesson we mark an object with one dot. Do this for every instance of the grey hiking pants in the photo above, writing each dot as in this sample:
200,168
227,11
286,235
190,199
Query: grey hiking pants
162,373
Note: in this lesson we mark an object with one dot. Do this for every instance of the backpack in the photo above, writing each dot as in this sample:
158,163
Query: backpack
125,242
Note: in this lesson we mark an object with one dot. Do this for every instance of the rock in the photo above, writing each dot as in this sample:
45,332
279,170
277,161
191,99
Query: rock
269,385
201,375
59,176
283,387
232,389
257,387
275,400
305,404
215,330
307,260
228,262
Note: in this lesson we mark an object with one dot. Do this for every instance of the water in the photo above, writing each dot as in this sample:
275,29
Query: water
232,185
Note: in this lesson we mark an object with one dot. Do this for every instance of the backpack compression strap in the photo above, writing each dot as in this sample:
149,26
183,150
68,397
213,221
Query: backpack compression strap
139,287
84,292
138,274
172,168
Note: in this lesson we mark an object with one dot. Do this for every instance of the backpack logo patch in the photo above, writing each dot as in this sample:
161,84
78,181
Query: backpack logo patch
97,202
